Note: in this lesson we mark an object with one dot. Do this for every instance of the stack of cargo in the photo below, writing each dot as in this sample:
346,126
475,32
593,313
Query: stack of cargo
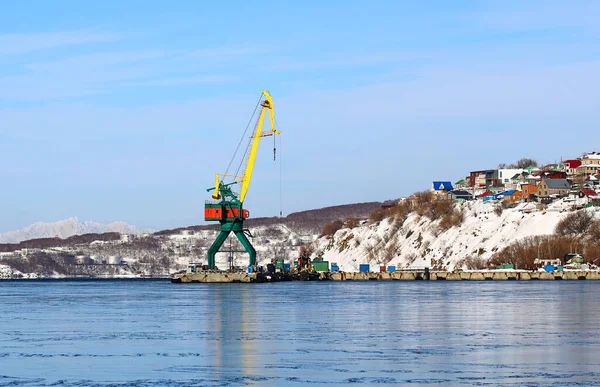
321,266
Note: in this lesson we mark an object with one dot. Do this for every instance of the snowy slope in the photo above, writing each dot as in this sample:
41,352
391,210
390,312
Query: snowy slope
64,229
417,243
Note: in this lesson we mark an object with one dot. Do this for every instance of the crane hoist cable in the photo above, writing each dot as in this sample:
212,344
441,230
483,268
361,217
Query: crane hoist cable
280,170
243,136
244,159
280,180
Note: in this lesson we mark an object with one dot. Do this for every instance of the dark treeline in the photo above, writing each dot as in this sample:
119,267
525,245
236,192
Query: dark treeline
309,221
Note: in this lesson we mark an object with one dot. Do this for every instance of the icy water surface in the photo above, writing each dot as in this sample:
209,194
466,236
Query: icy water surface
149,332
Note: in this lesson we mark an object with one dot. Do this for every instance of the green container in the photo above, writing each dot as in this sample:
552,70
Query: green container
505,266
279,263
321,265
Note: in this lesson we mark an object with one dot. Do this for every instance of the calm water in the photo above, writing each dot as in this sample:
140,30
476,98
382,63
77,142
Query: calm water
142,333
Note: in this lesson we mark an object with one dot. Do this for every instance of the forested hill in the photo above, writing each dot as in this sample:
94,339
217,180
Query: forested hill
306,222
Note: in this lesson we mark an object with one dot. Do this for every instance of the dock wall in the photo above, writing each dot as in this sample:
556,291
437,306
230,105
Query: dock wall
222,277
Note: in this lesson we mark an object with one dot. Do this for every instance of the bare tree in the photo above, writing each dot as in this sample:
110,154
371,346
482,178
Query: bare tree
576,223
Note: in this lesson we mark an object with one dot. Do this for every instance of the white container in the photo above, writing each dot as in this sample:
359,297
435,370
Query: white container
114,260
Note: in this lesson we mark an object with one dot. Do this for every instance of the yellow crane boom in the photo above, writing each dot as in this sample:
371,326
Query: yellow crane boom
250,158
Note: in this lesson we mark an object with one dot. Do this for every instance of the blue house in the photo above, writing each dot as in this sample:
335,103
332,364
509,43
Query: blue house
442,186
499,195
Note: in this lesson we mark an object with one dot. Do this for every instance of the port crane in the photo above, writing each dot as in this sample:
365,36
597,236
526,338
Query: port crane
227,206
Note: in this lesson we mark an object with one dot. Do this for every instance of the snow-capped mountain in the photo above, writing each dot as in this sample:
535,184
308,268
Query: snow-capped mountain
64,229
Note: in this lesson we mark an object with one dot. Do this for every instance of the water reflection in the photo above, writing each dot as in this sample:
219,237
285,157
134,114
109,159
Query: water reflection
423,333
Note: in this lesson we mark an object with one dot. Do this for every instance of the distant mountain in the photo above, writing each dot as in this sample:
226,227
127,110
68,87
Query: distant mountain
64,229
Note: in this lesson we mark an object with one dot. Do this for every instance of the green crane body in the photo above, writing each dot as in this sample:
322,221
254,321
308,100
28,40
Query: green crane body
228,205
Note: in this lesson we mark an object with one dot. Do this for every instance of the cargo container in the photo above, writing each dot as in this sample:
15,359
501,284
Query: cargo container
364,268
287,267
382,269
250,269
279,263
549,268
505,266
334,267
391,269
321,266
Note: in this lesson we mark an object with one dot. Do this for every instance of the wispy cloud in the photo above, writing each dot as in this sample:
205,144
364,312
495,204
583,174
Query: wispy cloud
342,60
190,80
108,71
227,53
18,44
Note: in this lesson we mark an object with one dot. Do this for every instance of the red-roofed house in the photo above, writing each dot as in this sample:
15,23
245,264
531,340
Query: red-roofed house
588,193
571,166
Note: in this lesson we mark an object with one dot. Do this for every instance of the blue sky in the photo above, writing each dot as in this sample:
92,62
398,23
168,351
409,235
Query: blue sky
125,110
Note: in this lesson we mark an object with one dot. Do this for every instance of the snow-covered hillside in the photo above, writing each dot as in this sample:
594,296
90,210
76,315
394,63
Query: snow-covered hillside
64,229
419,242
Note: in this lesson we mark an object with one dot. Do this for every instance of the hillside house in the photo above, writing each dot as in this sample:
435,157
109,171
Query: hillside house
499,195
587,193
518,180
592,180
557,187
553,175
461,184
505,175
513,196
550,167
484,179
587,170
460,195
531,169
441,187
591,158
529,189
570,166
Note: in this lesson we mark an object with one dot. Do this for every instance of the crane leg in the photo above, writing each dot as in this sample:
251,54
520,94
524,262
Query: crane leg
247,245
214,248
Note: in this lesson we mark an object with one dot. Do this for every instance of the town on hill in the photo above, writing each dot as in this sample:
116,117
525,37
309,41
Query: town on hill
525,182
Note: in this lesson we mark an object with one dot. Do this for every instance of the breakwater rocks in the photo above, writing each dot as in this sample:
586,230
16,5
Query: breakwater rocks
491,275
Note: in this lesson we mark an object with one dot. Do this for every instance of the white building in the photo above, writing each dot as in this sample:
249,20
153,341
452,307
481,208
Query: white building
591,158
505,175
11,254
185,236
127,238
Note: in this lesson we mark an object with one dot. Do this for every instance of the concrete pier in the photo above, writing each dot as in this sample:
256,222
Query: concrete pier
488,275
